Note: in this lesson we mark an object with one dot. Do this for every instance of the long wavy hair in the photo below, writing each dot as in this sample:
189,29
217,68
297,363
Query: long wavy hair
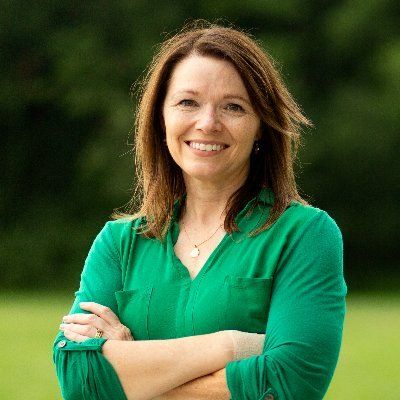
160,180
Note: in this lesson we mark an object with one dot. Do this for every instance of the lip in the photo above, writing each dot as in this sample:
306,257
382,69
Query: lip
203,153
207,142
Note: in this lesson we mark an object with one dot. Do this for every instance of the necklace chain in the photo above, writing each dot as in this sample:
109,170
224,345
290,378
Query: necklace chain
196,251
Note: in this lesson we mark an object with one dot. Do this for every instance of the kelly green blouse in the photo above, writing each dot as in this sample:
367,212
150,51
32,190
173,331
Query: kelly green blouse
286,282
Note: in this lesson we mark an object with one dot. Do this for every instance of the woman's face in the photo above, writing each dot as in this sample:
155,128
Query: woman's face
210,123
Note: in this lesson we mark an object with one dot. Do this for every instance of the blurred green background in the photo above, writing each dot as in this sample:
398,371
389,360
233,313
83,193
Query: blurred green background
67,70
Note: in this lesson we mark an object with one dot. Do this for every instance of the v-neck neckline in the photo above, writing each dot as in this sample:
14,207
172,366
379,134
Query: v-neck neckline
173,235
174,230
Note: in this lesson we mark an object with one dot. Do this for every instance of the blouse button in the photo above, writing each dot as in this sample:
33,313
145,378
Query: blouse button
269,397
63,343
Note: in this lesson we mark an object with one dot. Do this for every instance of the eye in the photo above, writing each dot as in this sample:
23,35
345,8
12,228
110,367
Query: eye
234,107
187,103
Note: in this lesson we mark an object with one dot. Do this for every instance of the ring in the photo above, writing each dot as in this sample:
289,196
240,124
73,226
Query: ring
99,334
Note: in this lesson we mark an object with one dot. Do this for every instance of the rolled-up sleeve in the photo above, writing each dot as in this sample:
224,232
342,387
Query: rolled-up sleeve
305,322
82,370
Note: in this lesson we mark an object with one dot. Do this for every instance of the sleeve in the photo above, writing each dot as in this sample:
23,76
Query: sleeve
305,322
82,370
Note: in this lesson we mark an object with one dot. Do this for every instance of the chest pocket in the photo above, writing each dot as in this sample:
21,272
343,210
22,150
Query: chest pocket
244,303
133,310
153,312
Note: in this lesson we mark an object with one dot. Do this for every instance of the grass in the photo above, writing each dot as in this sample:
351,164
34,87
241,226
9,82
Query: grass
369,362
368,368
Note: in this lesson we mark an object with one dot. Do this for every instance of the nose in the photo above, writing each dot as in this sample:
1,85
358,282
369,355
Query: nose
208,120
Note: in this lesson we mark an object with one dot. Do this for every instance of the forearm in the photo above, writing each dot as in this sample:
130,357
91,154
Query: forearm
212,386
147,369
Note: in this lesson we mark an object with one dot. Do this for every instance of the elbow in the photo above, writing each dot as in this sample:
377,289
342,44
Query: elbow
280,374
300,377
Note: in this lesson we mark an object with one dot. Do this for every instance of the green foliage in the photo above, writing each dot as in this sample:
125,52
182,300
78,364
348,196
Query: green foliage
67,116
366,369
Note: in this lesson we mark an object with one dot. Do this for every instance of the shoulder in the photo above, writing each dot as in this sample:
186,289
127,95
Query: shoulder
122,230
123,226
299,219
112,230
116,238
313,242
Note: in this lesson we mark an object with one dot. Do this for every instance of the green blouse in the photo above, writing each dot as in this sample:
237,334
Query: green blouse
286,282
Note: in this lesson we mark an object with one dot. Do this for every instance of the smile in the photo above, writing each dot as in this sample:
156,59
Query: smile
207,146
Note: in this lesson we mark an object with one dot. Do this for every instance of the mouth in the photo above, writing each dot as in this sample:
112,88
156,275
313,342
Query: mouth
206,146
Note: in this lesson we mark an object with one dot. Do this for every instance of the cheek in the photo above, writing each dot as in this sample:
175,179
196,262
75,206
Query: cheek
174,147
246,134
173,125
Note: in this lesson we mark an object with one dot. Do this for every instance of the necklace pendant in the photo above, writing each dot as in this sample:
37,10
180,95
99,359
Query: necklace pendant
195,252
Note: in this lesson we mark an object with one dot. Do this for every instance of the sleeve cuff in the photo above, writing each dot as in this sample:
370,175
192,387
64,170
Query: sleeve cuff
89,344
83,372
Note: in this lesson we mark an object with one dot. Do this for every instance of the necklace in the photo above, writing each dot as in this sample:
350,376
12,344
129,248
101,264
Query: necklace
196,251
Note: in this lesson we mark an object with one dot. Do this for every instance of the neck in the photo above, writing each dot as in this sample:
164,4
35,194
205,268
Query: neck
206,201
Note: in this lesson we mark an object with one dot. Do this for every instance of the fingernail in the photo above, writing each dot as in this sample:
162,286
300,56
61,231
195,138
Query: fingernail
62,326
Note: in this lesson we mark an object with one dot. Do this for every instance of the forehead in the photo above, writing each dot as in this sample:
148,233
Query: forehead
203,72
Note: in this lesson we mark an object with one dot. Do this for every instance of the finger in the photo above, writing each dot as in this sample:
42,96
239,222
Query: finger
84,330
102,311
86,319
76,337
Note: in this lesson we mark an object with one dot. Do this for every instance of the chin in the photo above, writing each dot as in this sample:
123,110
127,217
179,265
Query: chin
209,175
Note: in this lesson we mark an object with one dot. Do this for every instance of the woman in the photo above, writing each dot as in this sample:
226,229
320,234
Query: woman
222,250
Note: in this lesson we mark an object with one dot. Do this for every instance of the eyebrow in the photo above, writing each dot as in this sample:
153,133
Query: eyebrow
227,96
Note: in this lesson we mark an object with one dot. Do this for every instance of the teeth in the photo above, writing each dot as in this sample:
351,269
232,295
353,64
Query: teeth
206,147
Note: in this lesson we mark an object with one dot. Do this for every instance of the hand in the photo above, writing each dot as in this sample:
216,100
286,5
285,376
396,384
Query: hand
79,327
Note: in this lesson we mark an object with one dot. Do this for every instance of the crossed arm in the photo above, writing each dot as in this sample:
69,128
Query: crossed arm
212,386
185,368
171,369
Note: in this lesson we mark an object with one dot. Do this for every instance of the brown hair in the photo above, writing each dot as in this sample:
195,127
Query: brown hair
159,179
